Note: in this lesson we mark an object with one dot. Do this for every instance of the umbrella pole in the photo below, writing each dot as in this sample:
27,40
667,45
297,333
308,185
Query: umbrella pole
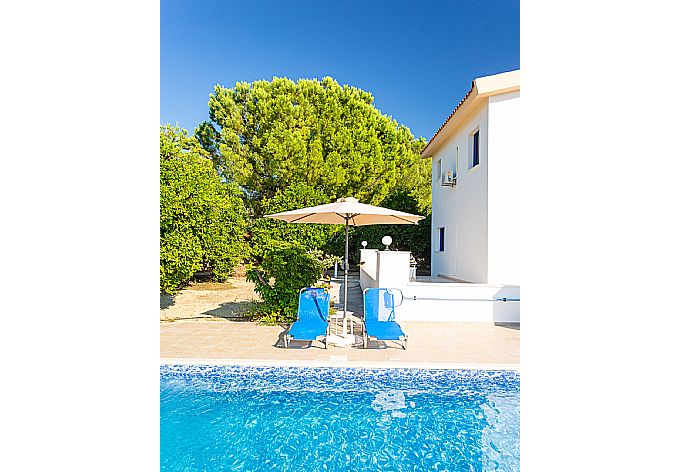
347,237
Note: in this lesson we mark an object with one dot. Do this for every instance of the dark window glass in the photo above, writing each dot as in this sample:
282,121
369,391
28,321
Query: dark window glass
475,149
441,239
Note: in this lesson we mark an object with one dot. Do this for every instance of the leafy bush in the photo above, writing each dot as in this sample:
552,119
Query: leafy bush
265,316
327,260
202,219
290,267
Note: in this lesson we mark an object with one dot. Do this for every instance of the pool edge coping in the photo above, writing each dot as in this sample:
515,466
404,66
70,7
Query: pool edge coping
339,364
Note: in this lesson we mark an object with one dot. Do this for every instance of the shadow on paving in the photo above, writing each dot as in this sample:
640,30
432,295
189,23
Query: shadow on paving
515,326
234,311
167,300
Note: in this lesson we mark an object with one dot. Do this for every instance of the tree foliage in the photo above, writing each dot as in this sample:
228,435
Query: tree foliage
277,146
265,232
266,136
202,220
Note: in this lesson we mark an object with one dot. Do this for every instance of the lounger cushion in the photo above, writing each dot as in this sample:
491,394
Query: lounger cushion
385,331
307,331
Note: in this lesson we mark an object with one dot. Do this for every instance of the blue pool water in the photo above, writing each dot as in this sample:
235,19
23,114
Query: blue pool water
306,419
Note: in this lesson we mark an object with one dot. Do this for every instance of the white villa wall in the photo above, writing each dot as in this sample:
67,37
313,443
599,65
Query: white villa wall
503,263
462,209
481,213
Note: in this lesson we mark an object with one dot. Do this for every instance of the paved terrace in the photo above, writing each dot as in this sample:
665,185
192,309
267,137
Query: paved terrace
436,343
441,344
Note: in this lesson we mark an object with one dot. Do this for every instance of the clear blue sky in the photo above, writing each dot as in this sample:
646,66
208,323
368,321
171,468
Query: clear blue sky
418,59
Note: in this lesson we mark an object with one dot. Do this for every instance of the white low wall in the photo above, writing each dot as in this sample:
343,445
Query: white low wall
393,268
368,265
383,268
459,302
429,301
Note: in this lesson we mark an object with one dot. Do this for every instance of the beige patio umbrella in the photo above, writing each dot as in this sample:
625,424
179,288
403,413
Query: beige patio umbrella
347,211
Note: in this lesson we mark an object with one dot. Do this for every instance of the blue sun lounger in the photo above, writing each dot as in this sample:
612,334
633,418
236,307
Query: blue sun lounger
379,313
312,317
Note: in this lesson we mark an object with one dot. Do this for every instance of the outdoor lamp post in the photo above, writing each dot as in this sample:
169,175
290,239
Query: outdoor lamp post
387,241
364,244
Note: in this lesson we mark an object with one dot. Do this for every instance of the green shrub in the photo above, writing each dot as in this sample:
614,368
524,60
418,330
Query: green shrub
290,267
266,317
202,219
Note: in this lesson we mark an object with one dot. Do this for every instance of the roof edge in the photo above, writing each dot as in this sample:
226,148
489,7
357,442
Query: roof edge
482,87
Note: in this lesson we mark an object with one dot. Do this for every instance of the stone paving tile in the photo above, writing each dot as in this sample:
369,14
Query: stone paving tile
428,343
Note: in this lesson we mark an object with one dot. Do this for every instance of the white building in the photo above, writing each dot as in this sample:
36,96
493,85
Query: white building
475,216
475,193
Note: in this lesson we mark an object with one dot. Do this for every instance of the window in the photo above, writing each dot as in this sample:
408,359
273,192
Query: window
475,150
441,239
438,169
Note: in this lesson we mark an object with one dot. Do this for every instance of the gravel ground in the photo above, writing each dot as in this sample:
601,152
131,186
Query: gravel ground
210,301
230,300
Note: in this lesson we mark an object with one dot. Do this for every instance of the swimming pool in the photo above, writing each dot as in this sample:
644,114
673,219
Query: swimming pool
289,418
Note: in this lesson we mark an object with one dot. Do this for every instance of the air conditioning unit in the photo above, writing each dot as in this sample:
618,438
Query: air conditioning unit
449,179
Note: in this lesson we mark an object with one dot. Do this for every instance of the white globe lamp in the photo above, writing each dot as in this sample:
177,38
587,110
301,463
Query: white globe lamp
387,241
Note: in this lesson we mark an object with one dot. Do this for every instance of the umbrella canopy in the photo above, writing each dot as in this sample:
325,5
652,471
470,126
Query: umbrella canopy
358,214
347,211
